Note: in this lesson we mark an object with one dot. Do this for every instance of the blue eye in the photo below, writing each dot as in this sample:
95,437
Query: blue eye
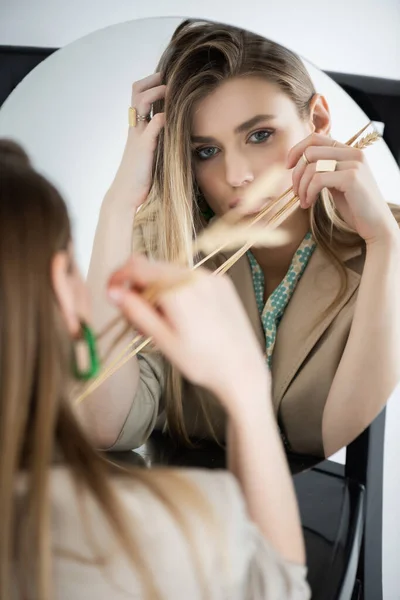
206,153
260,136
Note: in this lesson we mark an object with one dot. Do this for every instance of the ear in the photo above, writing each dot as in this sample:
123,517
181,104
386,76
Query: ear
319,114
64,291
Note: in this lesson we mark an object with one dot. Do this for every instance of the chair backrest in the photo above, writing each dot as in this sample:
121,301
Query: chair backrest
364,465
15,63
380,99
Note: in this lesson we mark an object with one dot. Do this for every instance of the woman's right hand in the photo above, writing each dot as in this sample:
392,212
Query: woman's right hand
199,325
133,180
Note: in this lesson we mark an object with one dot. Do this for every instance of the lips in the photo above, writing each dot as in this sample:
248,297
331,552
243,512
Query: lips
234,203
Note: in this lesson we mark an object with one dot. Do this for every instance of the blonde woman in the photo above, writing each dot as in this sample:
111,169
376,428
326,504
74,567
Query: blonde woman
325,307
72,525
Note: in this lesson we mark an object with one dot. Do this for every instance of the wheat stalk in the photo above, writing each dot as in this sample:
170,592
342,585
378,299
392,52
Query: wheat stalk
219,243
367,140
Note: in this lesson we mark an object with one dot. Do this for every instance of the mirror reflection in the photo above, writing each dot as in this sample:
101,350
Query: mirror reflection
222,108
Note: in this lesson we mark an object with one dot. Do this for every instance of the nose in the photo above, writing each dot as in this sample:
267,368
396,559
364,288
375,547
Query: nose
238,170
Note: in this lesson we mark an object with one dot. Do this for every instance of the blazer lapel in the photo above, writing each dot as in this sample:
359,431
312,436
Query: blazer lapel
300,329
241,276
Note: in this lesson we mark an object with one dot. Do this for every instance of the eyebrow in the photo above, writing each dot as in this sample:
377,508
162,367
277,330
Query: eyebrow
239,129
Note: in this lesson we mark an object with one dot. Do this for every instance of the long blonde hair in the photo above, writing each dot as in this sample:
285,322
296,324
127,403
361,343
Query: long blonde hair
36,420
199,57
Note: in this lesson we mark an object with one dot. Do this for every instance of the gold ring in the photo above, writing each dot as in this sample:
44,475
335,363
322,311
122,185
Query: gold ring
326,166
305,158
134,117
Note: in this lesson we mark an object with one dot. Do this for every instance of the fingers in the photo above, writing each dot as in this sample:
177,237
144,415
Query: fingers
341,180
302,184
140,273
315,139
145,318
303,172
313,154
146,83
152,130
144,100
144,93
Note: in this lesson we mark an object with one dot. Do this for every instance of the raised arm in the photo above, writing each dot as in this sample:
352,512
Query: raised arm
370,366
107,409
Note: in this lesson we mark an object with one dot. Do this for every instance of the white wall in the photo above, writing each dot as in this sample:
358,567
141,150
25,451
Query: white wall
361,38
352,36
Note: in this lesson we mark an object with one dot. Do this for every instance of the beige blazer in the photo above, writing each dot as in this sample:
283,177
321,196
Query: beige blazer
255,571
304,363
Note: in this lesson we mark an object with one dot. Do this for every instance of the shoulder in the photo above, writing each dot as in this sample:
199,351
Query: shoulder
256,568
237,559
218,487
199,492
81,530
216,483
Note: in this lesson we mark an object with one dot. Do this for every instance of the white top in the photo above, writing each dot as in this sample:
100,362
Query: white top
256,572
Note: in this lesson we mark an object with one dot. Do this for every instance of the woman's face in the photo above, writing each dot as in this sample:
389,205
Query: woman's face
238,131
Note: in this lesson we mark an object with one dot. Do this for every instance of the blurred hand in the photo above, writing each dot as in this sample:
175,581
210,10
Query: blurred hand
199,325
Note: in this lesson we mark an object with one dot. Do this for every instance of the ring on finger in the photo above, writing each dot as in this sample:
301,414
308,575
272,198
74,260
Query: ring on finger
134,117
326,166
304,157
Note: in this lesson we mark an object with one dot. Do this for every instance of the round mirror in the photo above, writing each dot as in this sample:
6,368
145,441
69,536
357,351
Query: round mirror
71,115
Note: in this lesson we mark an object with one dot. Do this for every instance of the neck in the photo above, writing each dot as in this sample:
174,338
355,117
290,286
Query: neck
275,261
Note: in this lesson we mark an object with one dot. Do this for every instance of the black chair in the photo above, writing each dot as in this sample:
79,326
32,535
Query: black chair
341,511
379,99
15,63
362,476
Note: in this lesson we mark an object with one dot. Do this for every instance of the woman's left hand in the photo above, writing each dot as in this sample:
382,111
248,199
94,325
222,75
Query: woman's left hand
352,185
